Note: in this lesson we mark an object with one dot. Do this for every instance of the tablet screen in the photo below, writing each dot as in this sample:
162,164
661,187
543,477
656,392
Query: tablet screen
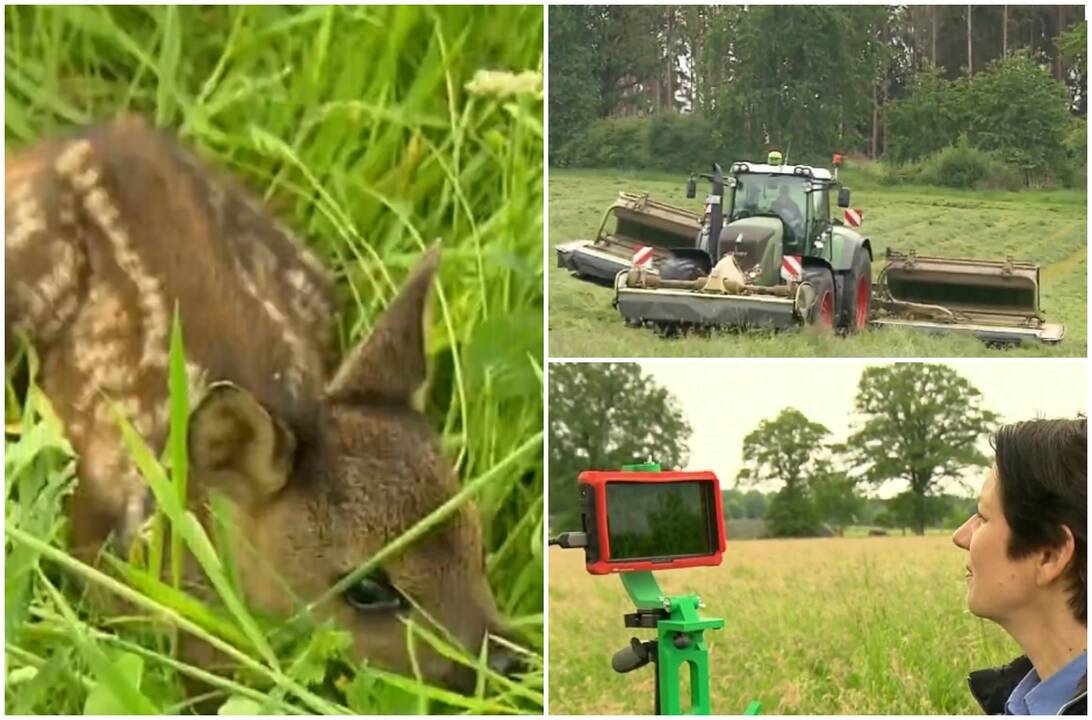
647,521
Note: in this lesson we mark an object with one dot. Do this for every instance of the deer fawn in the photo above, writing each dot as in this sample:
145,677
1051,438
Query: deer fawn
106,231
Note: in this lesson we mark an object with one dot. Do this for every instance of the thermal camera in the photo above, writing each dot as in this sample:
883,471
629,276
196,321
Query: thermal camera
651,520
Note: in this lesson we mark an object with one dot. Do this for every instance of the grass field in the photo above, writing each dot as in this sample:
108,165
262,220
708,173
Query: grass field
822,627
371,132
1044,227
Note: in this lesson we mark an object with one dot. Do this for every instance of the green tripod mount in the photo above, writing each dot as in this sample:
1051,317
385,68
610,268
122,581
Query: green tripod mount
679,643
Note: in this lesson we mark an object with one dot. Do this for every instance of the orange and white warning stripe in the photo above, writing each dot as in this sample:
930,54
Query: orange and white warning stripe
854,217
643,256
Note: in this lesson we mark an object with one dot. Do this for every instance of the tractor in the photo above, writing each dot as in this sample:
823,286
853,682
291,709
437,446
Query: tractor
767,253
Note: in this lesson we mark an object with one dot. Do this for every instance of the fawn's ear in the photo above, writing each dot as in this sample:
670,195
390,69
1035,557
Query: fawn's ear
238,446
390,364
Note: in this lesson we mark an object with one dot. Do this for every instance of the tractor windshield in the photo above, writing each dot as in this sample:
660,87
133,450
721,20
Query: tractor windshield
775,195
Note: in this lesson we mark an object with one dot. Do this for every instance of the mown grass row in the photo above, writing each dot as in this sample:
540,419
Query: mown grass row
373,133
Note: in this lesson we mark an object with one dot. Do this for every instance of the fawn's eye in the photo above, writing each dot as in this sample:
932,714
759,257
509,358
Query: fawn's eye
375,593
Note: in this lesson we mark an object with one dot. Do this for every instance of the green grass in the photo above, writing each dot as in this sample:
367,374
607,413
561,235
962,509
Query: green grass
1044,227
365,131
868,626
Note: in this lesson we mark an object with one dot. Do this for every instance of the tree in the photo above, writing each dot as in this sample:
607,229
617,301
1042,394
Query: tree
970,62
1004,30
904,509
1018,110
921,424
627,55
732,500
755,504
739,505
574,92
933,37
785,450
836,500
603,416
1073,47
929,118
811,99
792,514
959,509
788,450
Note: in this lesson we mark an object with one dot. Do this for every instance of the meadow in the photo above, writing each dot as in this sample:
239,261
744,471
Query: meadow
373,132
839,626
1046,227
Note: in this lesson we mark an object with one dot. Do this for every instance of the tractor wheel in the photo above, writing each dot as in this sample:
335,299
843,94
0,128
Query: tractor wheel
857,292
821,314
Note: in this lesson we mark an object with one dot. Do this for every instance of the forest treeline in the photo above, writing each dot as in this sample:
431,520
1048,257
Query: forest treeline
675,87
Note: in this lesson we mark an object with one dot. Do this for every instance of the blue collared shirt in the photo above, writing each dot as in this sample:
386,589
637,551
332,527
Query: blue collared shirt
1046,697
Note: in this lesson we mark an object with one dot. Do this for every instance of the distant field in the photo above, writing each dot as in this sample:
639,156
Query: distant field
1044,227
836,626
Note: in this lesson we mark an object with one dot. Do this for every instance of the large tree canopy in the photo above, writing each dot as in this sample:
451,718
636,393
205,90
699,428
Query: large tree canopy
603,416
789,451
920,423
785,450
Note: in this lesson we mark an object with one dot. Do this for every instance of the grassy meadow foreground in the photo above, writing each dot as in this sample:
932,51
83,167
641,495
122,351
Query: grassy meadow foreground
1038,226
832,626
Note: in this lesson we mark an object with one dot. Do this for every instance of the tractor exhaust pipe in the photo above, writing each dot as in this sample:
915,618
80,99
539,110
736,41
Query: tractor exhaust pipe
714,211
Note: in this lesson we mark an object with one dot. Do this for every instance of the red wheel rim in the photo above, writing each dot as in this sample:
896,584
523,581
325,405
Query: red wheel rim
864,296
826,310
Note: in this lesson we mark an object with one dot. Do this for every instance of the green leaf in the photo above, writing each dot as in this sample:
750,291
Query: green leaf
105,698
238,705
325,645
177,600
369,695
179,407
23,674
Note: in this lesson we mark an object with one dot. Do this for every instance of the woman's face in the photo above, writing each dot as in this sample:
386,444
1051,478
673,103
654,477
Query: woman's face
997,586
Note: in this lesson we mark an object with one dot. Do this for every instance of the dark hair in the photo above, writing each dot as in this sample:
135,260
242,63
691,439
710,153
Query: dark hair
1042,476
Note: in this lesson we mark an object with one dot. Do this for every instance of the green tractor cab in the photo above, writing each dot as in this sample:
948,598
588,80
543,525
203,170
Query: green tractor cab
768,254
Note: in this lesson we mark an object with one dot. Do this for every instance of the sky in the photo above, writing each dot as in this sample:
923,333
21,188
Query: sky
725,399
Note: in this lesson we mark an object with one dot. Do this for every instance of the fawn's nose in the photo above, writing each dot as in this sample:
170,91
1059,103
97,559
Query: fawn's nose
505,661
461,679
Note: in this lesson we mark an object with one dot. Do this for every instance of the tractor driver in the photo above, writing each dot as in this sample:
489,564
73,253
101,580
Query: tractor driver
789,212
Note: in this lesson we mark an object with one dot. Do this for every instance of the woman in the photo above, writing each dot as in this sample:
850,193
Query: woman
1027,567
